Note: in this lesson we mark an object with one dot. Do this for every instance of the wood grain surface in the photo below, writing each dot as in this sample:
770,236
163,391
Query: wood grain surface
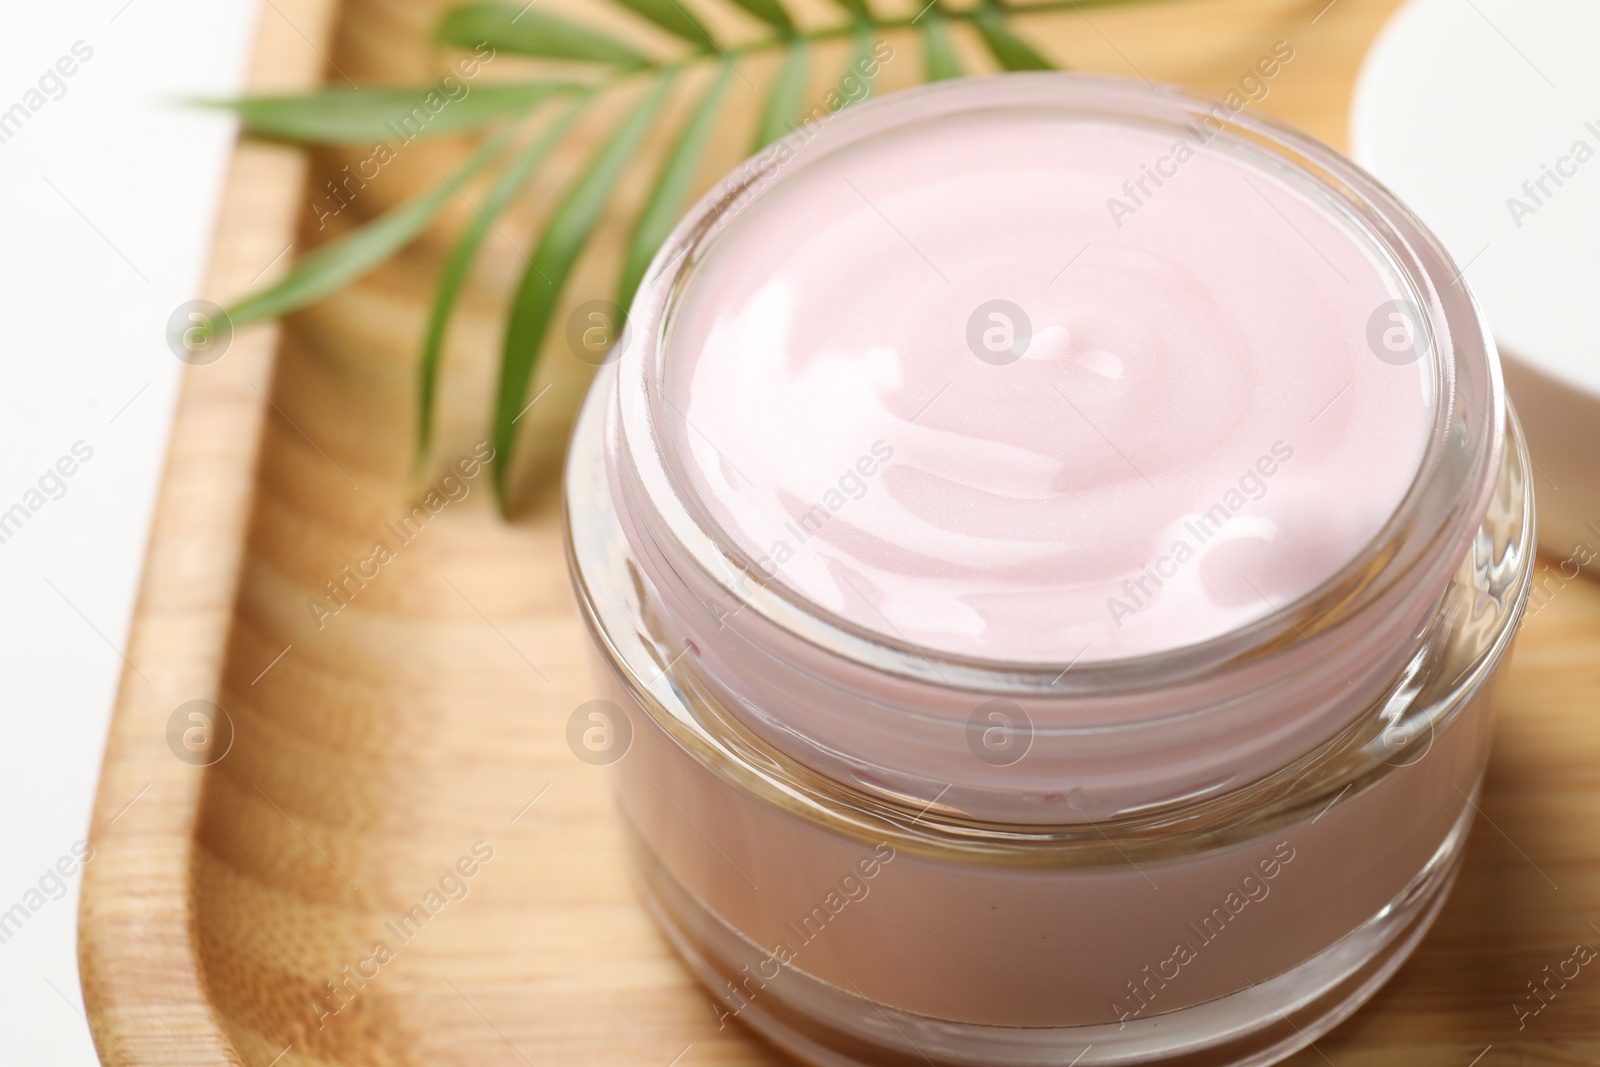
421,726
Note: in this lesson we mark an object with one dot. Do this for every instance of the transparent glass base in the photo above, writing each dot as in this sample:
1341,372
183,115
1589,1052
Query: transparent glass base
1262,1024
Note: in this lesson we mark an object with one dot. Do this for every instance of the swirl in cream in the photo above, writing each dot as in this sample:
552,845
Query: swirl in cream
1196,432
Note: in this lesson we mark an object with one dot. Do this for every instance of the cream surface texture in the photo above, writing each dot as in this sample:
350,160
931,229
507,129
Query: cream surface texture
1029,387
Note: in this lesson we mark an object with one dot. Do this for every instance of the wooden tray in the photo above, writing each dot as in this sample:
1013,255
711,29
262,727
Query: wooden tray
370,755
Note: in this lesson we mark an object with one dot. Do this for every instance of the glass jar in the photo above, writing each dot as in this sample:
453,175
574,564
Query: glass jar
874,852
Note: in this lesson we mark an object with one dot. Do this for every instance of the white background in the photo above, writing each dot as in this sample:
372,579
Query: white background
89,272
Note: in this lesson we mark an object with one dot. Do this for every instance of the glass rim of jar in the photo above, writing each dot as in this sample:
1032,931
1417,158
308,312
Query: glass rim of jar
640,653
1443,503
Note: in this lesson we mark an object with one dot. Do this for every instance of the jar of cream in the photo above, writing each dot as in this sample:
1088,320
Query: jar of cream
1049,543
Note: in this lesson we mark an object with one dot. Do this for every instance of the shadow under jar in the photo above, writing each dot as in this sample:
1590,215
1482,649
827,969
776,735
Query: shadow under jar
1132,708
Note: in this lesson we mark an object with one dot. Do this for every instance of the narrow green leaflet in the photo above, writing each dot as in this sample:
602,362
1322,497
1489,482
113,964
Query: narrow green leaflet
772,12
784,100
854,84
527,32
1009,50
938,54
673,186
858,8
456,268
565,235
349,116
342,261
671,16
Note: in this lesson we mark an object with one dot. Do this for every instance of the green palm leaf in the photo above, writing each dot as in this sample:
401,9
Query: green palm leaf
1009,50
349,116
769,11
855,82
672,187
454,275
342,261
565,235
938,54
783,108
670,16
336,116
527,32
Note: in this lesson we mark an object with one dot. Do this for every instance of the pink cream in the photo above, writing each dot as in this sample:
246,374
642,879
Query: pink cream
1196,432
